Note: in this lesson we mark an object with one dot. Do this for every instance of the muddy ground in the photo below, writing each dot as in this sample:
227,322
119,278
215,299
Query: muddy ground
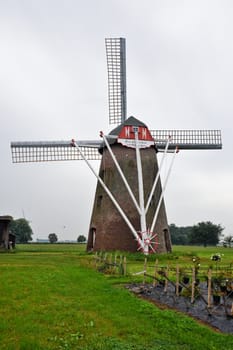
219,316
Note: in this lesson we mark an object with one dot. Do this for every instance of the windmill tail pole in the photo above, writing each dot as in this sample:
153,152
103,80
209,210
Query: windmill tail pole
163,190
120,172
134,232
157,175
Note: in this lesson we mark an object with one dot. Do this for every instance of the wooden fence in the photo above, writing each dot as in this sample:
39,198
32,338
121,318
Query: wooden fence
219,286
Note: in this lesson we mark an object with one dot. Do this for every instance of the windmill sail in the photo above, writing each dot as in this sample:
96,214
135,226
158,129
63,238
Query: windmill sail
46,151
188,139
116,63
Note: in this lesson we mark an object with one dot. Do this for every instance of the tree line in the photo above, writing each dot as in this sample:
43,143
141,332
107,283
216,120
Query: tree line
23,232
53,238
203,233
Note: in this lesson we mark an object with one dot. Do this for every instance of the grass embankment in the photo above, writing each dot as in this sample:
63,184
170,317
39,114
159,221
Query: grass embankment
52,298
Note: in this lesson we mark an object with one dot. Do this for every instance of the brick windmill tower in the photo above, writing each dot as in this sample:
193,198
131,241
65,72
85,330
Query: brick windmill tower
128,211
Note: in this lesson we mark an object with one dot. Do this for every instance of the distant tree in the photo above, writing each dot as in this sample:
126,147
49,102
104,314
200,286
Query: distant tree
22,230
228,241
205,233
52,238
180,235
81,239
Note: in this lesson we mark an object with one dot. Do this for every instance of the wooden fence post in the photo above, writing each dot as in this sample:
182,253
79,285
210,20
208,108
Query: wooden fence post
193,285
209,288
115,262
125,266
155,273
166,279
96,257
145,270
110,263
177,280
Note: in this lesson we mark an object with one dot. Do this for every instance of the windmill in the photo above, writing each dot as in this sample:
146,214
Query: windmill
128,211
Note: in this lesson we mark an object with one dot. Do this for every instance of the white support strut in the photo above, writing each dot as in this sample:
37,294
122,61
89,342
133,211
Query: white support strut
141,194
121,173
157,175
162,193
134,232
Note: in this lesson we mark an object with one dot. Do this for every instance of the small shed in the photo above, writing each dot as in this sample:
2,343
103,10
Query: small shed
7,239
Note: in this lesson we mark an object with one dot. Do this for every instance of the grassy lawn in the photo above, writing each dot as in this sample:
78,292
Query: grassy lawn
51,297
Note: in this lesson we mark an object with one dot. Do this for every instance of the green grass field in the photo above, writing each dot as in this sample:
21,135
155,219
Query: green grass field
51,297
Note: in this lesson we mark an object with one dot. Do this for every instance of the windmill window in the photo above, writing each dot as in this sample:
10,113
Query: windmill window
99,201
91,239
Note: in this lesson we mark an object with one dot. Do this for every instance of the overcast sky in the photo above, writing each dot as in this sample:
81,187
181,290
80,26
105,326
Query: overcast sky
53,86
